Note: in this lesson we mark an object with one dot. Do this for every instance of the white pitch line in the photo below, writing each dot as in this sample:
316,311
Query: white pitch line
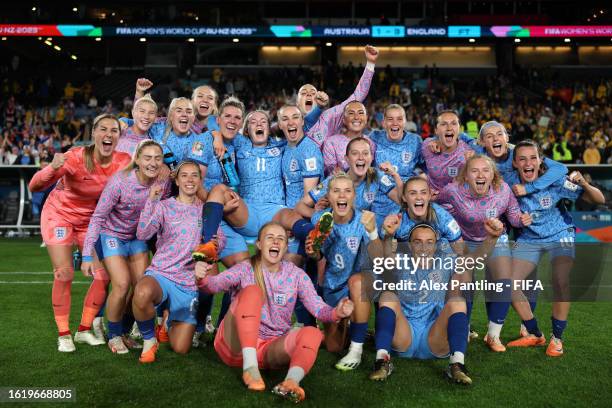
26,273
39,282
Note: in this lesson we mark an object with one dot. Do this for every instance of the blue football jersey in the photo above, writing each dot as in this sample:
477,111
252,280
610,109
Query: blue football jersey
180,146
447,228
343,250
260,171
548,219
404,156
365,193
426,295
301,161
202,151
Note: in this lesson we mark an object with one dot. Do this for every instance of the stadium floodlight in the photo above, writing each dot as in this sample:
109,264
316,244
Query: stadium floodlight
74,57
567,40
3,38
98,39
57,47
33,8
236,40
142,39
191,39
472,40
517,40
75,9
328,44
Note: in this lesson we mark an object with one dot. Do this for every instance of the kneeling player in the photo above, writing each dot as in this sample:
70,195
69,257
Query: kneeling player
256,332
426,323
170,278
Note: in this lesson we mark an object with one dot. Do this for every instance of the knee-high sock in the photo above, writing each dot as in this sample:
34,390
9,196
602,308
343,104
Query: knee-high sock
304,353
147,328
457,332
95,298
212,214
60,298
558,326
301,228
115,329
358,332
385,329
247,315
500,302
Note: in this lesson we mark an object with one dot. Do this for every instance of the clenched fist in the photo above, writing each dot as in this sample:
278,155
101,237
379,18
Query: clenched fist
368,219
58,160
371,53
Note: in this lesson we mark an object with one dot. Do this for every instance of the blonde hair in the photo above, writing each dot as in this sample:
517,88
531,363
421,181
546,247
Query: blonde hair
430,217
285,106
394,106
215,109
256,259
490,124
88,152
245,126
139,148
497,178
171,110
233,102
338,177
145,99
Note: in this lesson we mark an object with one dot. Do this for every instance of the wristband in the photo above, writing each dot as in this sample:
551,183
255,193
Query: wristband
370,66
87,258
373,235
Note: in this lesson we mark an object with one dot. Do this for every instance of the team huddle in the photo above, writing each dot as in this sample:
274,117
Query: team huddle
319,200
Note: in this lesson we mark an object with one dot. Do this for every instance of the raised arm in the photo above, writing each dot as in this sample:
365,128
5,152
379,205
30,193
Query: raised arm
556,171
590,194
45,178
142,85
330,121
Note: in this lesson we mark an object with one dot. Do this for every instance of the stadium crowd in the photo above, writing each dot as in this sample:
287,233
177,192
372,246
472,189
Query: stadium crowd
572,122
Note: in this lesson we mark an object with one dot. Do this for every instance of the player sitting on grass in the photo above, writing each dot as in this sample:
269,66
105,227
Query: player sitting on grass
256,332
425,322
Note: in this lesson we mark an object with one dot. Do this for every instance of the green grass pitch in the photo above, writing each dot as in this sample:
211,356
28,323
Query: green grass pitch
28,358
